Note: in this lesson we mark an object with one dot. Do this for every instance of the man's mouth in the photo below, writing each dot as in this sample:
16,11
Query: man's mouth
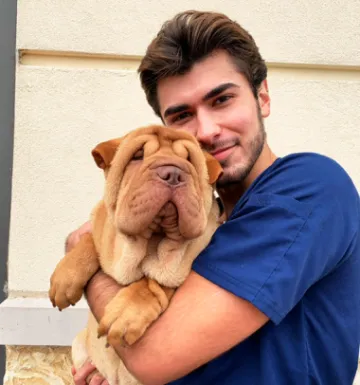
222,153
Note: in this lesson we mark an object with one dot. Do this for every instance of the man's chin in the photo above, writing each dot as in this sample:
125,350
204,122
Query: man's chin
233,175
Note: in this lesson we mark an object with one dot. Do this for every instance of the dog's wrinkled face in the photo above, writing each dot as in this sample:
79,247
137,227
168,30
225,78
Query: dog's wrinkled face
158,180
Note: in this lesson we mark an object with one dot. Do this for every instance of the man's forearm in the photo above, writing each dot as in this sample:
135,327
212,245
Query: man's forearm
202,322
100,290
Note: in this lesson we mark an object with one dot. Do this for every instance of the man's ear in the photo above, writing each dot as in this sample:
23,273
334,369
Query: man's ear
104,152
214,168
264,99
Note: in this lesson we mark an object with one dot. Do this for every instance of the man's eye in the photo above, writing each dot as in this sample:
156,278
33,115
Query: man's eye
222,99
182,116
139,155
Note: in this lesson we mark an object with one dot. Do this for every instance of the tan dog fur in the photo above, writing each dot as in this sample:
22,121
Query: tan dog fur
146,234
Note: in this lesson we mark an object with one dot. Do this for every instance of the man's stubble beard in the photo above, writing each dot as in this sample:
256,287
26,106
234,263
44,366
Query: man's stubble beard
239,172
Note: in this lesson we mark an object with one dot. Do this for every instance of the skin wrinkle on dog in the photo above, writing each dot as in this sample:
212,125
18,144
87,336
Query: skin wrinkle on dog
153,252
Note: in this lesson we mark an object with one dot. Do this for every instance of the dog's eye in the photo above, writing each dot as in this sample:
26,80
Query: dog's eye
139,155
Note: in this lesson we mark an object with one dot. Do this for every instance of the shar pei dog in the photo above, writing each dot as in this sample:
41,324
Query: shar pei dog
158,212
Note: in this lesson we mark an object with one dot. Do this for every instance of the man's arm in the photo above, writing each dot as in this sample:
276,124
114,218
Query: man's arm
202,322
74,237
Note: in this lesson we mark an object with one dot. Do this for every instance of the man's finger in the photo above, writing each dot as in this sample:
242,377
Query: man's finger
98,379
81,374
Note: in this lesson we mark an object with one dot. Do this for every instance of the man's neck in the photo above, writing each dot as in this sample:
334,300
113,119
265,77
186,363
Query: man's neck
232,193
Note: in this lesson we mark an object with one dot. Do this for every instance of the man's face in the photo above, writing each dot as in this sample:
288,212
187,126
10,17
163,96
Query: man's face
216,104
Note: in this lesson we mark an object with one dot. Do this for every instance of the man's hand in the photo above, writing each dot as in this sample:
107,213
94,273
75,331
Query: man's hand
73,238
85,372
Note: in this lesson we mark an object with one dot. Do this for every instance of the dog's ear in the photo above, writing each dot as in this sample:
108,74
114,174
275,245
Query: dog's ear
213,166
104,152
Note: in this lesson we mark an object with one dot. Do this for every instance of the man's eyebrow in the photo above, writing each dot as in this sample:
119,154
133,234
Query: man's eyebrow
214,92
218,90
175,109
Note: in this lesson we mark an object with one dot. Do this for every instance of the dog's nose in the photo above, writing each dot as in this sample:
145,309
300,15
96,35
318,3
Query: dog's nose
171,174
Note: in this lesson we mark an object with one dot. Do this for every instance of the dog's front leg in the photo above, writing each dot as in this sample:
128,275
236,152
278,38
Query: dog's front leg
133,310
73,272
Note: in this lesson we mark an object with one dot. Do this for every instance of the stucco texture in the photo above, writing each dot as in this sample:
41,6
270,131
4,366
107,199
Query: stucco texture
308,31
62,113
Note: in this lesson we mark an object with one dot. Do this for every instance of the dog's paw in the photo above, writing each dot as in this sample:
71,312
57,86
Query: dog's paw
129,314
66,286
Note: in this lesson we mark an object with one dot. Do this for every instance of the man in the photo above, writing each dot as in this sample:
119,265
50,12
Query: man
274,298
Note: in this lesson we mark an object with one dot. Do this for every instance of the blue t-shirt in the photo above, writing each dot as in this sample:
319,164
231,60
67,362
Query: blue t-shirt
291,247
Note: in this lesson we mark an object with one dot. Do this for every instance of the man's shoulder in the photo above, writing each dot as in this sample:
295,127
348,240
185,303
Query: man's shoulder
309,173
312,164
309,182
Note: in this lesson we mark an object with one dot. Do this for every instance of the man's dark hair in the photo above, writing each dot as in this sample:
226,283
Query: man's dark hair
192,36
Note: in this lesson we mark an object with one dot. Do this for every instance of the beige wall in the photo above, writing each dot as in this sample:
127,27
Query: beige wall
77,85
65,105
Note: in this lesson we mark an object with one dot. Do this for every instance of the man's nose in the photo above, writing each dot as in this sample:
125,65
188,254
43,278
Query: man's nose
207,129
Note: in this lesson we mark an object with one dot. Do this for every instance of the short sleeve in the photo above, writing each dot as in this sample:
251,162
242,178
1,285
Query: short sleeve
272,250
